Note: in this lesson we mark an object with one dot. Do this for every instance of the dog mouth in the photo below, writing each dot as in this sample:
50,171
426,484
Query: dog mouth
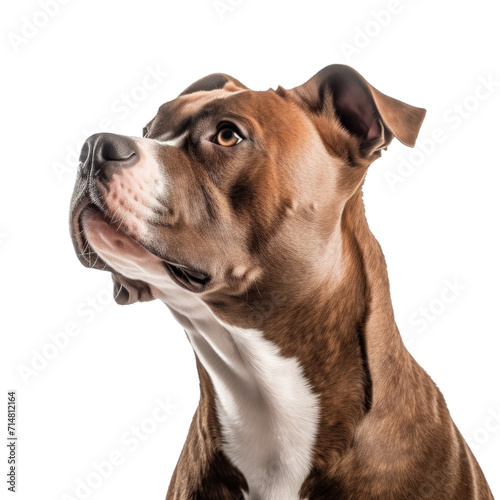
183,275
186,277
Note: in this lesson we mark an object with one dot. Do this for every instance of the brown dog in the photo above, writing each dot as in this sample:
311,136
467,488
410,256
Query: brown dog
242,211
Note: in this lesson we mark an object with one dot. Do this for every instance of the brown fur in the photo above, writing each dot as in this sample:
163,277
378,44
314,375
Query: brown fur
288,207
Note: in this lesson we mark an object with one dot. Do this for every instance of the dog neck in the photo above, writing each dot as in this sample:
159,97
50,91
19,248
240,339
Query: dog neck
288,397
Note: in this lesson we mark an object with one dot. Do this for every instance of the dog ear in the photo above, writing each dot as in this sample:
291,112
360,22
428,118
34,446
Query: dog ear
372,117
127,291
214,82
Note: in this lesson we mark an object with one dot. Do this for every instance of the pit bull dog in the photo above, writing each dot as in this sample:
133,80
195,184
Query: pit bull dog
242,211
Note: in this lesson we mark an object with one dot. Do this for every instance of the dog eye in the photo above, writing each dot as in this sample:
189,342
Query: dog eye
227,137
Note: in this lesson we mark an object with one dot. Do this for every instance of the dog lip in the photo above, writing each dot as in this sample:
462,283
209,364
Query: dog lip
78,204
194,281
80,240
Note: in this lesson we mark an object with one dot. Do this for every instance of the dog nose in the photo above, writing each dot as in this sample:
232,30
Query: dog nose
102,154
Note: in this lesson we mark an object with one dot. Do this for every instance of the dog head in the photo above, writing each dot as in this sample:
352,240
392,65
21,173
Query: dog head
232,192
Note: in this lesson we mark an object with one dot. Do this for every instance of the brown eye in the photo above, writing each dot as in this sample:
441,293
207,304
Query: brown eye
227,137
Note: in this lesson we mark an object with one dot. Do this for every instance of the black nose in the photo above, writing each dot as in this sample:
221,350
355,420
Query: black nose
103,154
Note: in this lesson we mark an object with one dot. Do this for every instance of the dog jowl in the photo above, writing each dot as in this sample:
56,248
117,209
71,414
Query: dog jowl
242,211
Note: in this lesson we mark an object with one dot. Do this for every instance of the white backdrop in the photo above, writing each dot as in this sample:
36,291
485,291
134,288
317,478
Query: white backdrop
106,393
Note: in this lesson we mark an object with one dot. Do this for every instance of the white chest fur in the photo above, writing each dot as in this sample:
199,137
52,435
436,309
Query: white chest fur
267,411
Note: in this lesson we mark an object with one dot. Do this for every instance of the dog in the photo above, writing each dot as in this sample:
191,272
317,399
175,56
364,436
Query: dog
242,211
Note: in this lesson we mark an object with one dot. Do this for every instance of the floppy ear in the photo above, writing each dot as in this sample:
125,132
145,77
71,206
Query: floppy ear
214,82
127,291
367,114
